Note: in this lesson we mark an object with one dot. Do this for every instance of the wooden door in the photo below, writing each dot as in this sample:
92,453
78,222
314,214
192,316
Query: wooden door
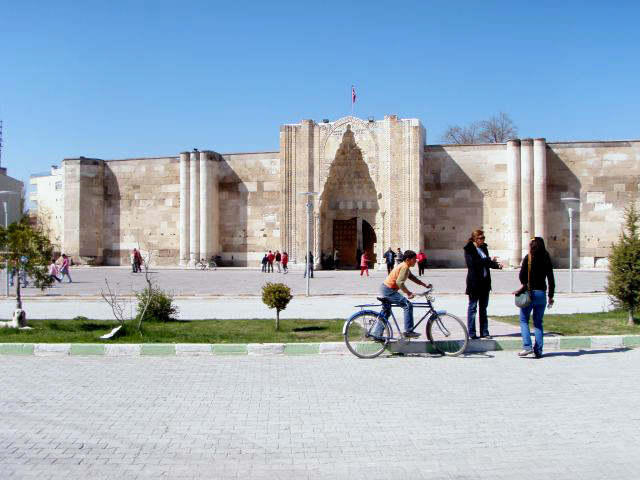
345,238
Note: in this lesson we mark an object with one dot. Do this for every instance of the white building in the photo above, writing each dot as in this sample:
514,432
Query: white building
47,196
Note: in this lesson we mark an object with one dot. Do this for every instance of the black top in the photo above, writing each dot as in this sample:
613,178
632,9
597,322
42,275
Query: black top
541,270
477,282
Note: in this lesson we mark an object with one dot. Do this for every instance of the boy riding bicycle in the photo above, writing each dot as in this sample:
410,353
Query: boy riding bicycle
389,289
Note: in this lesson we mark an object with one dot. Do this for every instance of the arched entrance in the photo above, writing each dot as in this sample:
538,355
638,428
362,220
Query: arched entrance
352,238
349,205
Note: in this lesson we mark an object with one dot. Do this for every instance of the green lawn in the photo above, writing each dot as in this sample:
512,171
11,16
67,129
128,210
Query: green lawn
263,331
604,323
199,331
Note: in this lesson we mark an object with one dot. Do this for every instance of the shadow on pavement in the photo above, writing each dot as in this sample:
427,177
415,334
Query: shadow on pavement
584,352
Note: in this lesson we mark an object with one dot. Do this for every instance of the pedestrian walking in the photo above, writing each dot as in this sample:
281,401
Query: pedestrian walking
389,259
399,257
270,259
364,264
278,260
134,268
53,271
285,262
323,261
336,259
535,271
476,255
64,268
422,263
264,262
22,271
308,260
138,260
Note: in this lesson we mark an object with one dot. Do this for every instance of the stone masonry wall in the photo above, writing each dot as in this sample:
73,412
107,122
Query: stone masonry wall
464,189
141,209
250,207
606,177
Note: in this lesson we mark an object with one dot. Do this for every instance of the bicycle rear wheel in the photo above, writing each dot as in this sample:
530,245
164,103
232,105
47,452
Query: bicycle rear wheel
357,335
448,334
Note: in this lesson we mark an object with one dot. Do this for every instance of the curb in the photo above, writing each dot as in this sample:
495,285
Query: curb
292,349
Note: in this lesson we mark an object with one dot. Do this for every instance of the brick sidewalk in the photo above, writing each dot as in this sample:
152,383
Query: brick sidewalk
491,416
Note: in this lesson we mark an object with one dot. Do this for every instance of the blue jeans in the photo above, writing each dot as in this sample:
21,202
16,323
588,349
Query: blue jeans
396,297
481,298
538,305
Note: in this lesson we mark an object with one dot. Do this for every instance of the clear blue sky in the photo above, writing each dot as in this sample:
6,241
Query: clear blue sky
116,79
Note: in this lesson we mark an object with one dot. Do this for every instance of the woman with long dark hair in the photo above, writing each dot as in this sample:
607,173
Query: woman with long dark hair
535,271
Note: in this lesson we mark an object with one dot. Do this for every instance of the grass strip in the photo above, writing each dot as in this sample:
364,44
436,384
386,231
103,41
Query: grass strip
583,324
195,331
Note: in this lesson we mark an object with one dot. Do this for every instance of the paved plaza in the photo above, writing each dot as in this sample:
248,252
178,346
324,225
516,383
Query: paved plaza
90,281
570,415
234,293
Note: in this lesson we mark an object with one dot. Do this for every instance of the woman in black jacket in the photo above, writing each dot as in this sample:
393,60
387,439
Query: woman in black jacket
479,264
536,282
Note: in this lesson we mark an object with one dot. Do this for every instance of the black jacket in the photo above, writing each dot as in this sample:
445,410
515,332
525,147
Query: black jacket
541,271
476,281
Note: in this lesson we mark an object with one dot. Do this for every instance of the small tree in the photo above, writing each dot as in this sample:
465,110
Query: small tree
276,295
624,265
27,249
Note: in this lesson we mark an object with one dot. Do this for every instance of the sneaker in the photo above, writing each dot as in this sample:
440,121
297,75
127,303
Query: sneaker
411,334
474,337
488,337
524,353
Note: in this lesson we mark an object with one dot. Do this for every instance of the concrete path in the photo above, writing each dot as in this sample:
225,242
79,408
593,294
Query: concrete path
90,281
325,307
569,415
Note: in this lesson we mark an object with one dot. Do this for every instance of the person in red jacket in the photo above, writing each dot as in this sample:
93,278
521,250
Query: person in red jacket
285,262
422,262
270,258
364,264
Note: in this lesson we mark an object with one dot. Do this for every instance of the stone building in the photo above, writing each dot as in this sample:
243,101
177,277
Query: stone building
379,185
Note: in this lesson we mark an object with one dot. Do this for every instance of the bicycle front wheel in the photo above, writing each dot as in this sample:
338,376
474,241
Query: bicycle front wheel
357,335
213,265
448,334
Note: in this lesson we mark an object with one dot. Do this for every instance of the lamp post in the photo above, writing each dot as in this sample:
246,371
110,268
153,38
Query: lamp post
6,225
307,255
570,201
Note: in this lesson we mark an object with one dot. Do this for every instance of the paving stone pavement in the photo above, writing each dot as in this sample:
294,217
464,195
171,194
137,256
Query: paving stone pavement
90,281
569,415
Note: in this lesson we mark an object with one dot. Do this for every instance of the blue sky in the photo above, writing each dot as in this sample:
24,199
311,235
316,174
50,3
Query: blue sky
132,78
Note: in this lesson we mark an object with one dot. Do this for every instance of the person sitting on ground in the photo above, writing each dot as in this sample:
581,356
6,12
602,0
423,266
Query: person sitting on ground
389,289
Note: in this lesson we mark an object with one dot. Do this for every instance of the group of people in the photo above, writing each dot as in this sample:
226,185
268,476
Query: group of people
536,277
281,261
330,261
392,259
58,274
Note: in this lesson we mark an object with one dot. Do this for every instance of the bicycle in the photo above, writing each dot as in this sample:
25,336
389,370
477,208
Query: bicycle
446,333
202,264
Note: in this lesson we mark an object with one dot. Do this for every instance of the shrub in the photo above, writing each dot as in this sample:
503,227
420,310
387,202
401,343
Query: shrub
624,265
160,309
276,295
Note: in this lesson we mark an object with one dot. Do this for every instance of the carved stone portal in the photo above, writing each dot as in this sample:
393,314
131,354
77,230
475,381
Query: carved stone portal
349,205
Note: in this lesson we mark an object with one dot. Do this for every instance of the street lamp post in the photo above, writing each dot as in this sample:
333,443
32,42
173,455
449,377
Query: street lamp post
570,202
307,255
6,225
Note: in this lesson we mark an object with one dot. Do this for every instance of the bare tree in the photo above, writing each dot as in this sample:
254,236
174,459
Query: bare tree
462,135
497,129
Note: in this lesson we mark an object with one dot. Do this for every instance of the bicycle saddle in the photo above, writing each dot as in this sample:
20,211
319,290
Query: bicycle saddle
384,301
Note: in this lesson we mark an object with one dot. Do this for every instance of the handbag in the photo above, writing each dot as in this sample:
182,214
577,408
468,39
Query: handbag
523,299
